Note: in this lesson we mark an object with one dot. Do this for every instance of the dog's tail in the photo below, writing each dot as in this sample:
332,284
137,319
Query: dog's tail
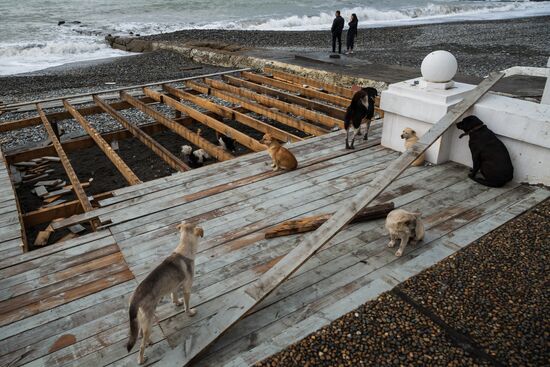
133,325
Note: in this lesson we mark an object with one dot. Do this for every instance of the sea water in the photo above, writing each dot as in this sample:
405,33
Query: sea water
32,38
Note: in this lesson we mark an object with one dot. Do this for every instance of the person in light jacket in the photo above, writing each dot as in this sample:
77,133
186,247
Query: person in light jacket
337,28
352,33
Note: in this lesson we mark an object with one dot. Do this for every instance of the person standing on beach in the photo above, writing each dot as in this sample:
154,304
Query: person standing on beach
352,33
337,28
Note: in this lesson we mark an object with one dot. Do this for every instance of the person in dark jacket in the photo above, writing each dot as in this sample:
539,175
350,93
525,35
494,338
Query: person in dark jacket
352,33
337,28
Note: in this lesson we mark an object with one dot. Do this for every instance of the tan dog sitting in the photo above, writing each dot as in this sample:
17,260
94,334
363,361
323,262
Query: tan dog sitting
405,226
410,139
175,271
282,158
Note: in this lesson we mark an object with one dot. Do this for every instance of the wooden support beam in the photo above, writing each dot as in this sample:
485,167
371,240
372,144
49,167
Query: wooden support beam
124,170
64,210
309,224
264,111
230,113
341,91
333,111
214,150
60,116
71,174
152,144
212,123
244,299
308,92
328,121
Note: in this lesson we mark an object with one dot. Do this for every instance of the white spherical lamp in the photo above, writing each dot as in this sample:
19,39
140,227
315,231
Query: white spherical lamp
439,67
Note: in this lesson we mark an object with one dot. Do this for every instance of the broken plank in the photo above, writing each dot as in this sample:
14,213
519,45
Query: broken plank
309,224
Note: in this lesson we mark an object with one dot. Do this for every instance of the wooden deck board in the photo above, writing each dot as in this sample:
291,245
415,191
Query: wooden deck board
11,234
83,284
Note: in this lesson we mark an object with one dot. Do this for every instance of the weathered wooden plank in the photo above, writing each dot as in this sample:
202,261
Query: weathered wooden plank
297,110
265,111
71,174
124,170
247,298
212,123
232,114
333,88
214,150
152,144
333,111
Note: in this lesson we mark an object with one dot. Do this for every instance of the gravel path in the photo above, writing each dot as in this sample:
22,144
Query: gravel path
480,47
493,294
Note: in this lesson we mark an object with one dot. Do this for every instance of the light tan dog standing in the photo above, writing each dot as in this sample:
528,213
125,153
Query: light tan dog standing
175,271
405,226
410,139
282,158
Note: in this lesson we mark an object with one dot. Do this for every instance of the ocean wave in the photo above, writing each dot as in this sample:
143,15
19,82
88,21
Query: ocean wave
31,56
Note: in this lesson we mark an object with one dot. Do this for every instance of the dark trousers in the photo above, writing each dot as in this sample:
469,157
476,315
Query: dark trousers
337,36
350,41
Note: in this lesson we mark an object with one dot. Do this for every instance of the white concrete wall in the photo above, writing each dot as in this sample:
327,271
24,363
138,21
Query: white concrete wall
523,126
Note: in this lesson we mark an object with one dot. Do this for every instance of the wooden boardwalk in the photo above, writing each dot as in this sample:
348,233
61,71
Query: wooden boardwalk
11,236
66,304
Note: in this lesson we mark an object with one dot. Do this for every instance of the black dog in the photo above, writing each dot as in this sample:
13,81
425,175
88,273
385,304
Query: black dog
361,107
489,155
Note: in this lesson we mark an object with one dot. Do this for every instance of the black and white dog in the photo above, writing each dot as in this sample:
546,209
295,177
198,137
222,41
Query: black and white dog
489,154
361,107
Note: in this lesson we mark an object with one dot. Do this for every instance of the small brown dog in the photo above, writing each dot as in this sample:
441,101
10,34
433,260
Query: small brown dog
410,139
405,226
282,157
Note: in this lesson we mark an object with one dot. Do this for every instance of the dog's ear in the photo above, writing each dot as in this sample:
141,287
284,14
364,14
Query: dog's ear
199,232
413,132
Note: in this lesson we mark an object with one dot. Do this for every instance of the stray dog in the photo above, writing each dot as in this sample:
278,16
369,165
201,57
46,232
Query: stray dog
281,157
361,107
410,139
195,158
175,271
489,154
225,142
405,226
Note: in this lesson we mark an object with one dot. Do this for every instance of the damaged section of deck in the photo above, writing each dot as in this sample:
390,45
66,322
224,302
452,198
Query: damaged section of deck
66,304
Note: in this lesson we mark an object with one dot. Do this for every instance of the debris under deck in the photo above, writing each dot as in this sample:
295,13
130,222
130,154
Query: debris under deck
66,304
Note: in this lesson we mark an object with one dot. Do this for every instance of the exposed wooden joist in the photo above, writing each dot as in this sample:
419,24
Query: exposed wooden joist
121,166
262,110
333,111
308,92
195,139
65,210
341,91
328,121
212,123
230,113
233,308
152,144
71,174
60,116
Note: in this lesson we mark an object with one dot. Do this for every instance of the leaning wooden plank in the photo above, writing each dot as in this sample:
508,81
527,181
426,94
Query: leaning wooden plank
212,123
285,96
232,114
265,111
245,298
122,167
297,110
342,91
309,224
42,238
214,150
77,187
152,144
